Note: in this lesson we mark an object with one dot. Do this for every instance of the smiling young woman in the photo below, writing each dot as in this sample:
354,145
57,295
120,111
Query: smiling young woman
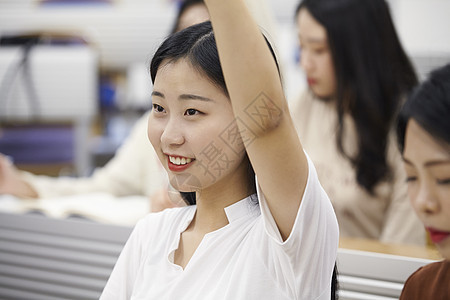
262,226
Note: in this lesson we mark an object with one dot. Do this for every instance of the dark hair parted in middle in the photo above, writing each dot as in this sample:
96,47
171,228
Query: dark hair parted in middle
373,75
197,45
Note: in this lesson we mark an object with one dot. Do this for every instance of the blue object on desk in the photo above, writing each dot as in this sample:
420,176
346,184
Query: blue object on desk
38,144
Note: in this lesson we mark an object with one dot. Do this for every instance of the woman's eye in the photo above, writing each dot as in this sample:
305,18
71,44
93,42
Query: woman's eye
443,181
411,178
319,50
191,112
158,108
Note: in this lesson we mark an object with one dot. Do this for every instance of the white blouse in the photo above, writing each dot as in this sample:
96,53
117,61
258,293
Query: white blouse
245,259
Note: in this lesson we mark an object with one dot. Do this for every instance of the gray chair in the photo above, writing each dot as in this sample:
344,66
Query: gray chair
374,276
45,258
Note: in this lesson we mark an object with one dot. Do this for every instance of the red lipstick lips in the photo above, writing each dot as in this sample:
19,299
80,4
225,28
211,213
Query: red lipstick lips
175,167
311,81
437,236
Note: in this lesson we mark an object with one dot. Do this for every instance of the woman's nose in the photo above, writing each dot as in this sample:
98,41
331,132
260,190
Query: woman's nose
305,61
173,133
426,200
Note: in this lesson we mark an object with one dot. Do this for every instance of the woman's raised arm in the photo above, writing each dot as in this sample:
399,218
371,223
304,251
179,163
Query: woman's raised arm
261,110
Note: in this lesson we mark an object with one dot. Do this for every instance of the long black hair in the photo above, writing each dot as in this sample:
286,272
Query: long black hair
428,105
373,75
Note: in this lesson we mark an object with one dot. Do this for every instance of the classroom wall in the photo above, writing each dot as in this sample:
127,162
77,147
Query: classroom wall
424,30
424,26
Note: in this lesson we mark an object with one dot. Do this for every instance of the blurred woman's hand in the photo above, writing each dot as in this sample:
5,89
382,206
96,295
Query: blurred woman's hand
11,182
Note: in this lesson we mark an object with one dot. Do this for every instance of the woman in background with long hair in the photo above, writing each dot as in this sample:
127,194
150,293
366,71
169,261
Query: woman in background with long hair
358,75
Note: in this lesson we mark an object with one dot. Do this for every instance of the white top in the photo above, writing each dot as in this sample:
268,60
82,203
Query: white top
245,259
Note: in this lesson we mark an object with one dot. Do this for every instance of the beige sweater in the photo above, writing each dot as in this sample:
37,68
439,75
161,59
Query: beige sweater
387,216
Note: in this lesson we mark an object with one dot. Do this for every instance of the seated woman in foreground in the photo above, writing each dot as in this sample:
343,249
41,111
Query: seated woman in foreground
219,118
424,139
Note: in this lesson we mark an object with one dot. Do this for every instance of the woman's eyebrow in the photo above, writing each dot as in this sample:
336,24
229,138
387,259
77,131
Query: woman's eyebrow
313,40
437,162
194,97
430,163
158,94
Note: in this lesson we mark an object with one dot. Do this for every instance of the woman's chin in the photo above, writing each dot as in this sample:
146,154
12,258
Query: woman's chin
444,249
321,95
186,183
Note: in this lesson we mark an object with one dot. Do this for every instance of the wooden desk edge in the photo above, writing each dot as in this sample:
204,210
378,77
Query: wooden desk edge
425,252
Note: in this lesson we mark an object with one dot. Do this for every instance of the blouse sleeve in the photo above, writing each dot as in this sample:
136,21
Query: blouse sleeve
312,244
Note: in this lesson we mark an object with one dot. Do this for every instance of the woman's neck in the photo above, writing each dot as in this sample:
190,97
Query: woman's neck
211,202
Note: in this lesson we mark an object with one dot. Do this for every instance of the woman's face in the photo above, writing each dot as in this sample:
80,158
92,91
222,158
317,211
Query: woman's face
315,55
193,130
427,165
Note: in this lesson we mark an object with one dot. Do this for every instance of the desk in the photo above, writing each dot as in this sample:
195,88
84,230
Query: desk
99,207
425,252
